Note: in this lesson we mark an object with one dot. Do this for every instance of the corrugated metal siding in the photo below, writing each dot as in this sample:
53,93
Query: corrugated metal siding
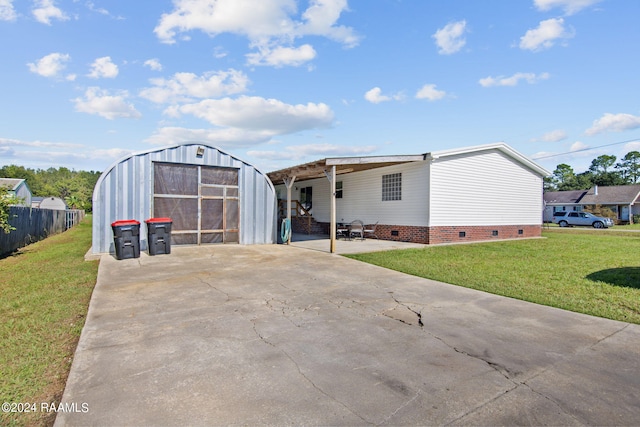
125,191
362,196
484,189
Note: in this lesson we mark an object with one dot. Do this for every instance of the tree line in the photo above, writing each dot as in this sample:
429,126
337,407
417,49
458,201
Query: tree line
74,187
605,170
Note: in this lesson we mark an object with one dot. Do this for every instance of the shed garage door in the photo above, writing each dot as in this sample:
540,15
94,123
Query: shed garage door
202,201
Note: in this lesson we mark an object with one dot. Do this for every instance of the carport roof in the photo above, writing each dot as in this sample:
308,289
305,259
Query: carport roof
343,165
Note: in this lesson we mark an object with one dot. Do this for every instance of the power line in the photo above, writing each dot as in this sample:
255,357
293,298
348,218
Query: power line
586,149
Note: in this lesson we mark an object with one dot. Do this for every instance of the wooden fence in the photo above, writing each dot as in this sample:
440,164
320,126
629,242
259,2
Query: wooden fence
34,224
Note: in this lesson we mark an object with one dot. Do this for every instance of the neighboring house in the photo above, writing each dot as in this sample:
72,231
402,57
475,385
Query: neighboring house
562,201
52,203
623,200
476,193
19,188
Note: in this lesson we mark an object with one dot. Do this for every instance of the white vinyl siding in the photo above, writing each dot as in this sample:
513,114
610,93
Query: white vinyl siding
362,196
486,188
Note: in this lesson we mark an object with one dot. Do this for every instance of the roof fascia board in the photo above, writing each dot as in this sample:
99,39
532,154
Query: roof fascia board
339,161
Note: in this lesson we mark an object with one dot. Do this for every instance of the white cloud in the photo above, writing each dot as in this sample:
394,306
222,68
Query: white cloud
259,114
299,152
569,6
47,154
578,146
50,65
100,102
553,136
320,20
375,96
545,36
513,80
6,142
430,92
268,24
281,56
614,123
450,39
45,10
225,137
7,153
632,146
7,12
189,86
219,52
154,64
103,67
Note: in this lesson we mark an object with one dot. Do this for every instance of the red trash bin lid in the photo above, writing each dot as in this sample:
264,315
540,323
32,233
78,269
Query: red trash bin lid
155,220
123,222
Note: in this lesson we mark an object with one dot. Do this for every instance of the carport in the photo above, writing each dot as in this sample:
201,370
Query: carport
331,168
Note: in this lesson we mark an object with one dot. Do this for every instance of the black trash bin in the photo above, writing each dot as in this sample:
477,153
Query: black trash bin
159,235
126,238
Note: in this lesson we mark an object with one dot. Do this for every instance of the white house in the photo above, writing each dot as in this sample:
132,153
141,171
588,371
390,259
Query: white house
484,192
19,188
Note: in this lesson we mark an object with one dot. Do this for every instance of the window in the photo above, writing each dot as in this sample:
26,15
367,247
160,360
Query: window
339,190
392,187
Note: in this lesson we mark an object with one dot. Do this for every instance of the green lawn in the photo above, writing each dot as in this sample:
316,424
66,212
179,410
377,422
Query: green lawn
45,290
595,272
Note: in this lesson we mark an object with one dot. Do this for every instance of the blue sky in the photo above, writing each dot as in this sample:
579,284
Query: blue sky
283,82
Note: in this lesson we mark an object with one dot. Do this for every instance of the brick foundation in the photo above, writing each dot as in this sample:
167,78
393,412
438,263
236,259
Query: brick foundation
482,233
454,234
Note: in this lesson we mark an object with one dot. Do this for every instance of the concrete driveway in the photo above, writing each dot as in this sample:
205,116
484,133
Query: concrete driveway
280,335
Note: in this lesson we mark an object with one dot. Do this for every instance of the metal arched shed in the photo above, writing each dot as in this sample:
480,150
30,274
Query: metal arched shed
211,197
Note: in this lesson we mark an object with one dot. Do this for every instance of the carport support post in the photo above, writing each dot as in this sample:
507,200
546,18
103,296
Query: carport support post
289,183
332,231
332,227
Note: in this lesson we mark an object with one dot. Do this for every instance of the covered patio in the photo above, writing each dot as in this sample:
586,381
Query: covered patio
331,168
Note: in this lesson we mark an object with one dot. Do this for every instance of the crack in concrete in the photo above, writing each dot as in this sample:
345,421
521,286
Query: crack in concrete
553,401
456,421
417,313
506,372
401,407
292,360
215,288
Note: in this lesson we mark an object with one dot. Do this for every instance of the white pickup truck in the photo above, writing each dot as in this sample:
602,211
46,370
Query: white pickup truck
566,219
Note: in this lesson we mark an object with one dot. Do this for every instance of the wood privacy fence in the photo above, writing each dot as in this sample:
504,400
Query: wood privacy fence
33,224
